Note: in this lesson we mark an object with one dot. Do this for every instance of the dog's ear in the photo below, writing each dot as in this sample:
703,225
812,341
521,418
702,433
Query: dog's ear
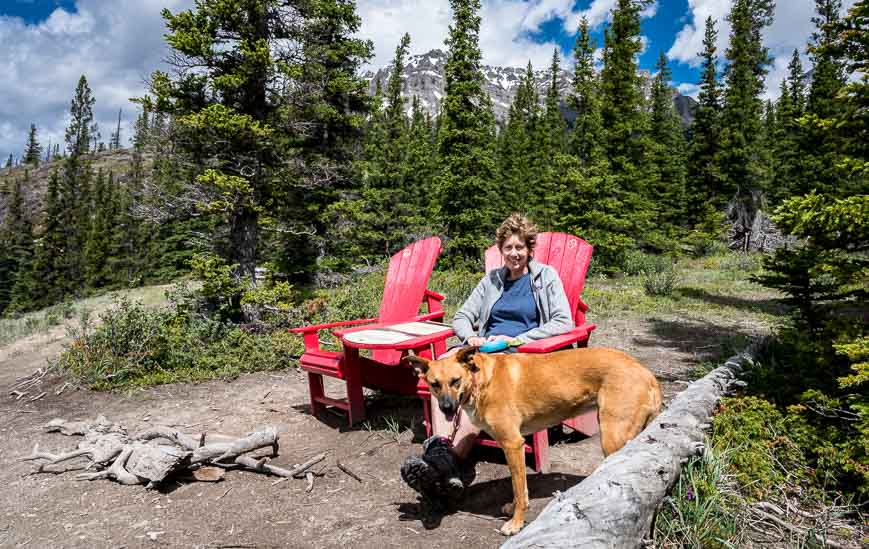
466,358
420,364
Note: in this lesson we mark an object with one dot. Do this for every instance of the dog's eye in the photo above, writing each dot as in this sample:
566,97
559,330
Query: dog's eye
455,382
435,385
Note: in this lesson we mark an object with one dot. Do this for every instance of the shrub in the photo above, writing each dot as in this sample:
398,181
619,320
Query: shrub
135,346
763,455
660,284
635,262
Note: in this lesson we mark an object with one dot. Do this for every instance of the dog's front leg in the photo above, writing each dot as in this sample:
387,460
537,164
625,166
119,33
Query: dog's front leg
514,450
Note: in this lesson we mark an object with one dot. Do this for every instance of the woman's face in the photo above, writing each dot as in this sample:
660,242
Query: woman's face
515,254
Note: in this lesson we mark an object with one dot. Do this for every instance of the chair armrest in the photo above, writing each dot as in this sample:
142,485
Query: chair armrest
312,341
429,316
555,343
434,295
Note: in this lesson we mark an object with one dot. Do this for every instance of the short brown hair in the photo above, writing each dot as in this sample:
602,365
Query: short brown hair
517,224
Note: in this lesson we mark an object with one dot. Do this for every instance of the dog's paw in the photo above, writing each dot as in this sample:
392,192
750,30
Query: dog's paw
507,509
512,527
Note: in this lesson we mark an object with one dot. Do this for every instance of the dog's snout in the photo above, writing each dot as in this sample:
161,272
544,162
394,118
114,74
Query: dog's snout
447,405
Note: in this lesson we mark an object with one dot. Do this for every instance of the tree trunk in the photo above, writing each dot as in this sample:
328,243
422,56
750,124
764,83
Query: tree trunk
615,506
244,238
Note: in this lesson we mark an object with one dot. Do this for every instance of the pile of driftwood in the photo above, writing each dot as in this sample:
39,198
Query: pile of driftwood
155,455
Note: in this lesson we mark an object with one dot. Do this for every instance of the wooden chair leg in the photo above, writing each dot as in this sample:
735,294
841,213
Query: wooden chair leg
315,390
426,411
353,378
540,440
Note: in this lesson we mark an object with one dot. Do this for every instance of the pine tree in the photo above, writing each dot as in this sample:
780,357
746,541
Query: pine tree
586,140
517,147
788,178
704,180
115,142
96,247
78,133
666,154
550,145
228,115
10,162
819,147
741,118
624,119
465,138
33,150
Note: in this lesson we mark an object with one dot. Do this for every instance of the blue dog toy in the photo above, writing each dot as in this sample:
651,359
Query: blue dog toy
498,345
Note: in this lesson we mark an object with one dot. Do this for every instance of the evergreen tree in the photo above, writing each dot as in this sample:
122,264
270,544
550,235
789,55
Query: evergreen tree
17,245
39,285
233,115
33,150
666,154
744,179
78,133
741,118
517,147
115,142
96,246
465,137
819,146
10,162
586,140
788,176
624,118
704,180
550,145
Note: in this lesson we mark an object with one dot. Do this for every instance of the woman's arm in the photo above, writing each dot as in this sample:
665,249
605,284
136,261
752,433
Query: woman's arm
468,317
560,320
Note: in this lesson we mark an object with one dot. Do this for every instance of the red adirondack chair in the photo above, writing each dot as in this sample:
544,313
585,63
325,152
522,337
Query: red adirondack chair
570,257
403,294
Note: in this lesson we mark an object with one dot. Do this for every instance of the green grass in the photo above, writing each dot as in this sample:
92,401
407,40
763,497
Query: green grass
703,509
23,325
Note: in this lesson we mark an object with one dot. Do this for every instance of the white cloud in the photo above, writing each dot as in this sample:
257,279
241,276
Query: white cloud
691,90
792,26
504,28
116,44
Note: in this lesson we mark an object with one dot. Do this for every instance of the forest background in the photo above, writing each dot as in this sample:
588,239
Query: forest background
261,164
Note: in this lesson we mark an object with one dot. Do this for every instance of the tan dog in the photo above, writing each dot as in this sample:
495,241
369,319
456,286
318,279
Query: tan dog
512,395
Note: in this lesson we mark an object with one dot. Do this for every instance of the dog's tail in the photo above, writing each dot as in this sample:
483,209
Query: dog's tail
656,399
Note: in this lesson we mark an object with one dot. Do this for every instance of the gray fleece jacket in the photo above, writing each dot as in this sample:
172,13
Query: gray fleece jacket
552,305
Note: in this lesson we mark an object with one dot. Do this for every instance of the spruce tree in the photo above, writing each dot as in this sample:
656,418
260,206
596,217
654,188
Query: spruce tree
10,162
465,140
744,178
741,118
704,179
624,119
275,101
517,147
96,247
115,142
819,146
667,155
550,145
39,285
586,140
33,150
78,133
788,178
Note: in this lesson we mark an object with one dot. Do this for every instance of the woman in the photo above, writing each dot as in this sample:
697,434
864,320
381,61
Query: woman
523,300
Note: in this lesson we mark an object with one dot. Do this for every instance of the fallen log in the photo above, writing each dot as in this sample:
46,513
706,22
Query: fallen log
614,507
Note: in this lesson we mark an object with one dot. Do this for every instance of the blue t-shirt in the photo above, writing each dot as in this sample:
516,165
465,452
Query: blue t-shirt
515,312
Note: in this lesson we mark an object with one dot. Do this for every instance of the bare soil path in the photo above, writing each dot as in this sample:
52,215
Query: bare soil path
253,510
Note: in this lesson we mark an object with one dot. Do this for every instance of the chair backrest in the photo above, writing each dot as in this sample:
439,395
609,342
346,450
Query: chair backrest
406,281
569,255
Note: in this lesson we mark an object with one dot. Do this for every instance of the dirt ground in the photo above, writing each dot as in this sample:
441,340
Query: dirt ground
253,510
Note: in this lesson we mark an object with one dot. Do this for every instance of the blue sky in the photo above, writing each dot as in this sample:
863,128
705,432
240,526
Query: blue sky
117,44
34,11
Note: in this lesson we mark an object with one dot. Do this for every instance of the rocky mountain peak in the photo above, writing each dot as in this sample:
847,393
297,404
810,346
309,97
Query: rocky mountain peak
423,76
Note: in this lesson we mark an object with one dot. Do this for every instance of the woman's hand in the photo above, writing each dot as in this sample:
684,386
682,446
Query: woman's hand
508,339
476,341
